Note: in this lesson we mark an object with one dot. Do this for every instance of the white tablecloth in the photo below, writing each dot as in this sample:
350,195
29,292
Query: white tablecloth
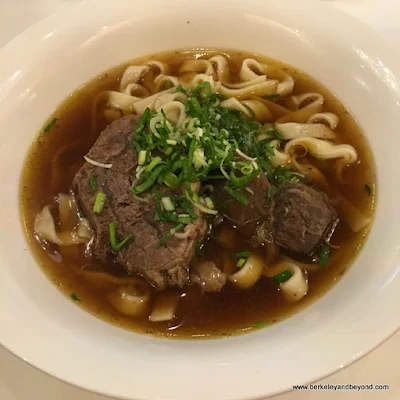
18,381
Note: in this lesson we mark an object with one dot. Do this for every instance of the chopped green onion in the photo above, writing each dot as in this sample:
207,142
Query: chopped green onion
242,254
170,233
269,194
199,160
167,203
168,150
74,297
241,262
154,162
368,189
171,142
171,180
93,183
184,219
99,203
142,157
274,96
144,119
150,180
50,124
324,255
243,180
180,88
196,198
236,195
283,276
115,245
260,324
199,249
187,206
209,203
207,88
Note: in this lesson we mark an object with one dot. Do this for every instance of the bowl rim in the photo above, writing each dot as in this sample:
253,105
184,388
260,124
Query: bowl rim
44,27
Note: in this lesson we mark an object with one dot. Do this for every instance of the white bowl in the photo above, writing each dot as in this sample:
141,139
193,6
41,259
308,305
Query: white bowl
43,65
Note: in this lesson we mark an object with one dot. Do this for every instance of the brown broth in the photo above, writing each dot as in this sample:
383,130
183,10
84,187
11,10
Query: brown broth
56,156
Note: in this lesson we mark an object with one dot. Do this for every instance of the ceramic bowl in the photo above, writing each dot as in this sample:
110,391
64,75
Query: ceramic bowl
53,58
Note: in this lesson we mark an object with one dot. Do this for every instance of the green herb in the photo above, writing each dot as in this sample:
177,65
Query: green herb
150,180
269,194
93,183
74,297
368,189
283,276
184,219
99,203
260,324
243,180
199,249
50,125
187,206
271,131
115,244
242,254
274,96
241,262
170,233
237,196
324,255
180,88
168,85
281,175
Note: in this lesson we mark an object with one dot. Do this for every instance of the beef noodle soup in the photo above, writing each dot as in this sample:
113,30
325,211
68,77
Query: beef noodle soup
198,193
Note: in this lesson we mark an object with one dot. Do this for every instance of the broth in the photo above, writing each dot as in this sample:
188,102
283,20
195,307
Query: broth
57,155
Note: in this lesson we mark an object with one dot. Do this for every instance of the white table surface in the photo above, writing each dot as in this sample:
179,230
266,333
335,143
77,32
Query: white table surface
19,381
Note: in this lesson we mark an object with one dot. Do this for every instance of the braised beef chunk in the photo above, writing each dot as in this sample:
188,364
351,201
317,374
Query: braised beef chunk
243,216
162,267
301,217
207,276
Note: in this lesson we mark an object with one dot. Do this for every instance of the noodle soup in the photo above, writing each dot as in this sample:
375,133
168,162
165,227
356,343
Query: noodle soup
197,193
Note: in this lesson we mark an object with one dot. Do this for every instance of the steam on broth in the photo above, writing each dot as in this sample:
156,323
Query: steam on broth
198,193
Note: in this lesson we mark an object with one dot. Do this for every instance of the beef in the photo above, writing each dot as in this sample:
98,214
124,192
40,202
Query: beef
207,276
163,267
301,217
245,217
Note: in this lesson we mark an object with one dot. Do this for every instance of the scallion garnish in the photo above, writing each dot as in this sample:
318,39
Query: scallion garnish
199,249
171,180
184,219
93,183
167,203
260,324
209,203
150,180
269,194
154,162
283,276
241,262
242,254
115,244
50,125
142,157
368,189
324,255
241,198
170,233
74,297
99,203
